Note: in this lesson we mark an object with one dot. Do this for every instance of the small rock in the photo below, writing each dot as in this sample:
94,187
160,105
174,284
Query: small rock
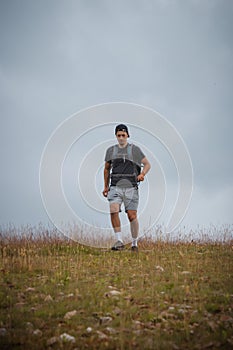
70,314
48,298
67,338
21,295
21,304
117,311
175,347
111,330
37,332
102,335
3,332
114,292
105,319
52,341
29,325
159,268
226,318
181,311
138,324
70,295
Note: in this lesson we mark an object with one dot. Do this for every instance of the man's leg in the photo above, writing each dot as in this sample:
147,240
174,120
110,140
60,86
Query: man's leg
114,212
134,225
116,224
131,204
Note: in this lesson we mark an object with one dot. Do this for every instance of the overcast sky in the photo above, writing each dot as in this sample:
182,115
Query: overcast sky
58,57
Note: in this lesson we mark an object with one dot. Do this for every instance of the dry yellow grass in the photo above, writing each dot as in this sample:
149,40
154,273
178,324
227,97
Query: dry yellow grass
57,294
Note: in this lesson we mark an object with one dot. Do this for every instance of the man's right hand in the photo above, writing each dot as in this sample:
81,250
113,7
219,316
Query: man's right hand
105,191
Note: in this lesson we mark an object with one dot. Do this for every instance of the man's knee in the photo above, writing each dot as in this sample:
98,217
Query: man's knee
114,208
132,215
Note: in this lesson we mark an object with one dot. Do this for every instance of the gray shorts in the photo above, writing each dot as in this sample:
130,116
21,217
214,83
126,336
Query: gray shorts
127,195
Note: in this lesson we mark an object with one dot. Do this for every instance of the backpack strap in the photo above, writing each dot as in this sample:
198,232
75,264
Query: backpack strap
114,153
130,157
130,152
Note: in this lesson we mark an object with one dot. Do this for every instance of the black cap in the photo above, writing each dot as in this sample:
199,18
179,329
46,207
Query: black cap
121,127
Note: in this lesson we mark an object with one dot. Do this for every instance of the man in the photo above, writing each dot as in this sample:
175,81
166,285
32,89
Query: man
123,163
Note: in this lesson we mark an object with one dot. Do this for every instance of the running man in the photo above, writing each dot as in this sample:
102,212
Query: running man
123,170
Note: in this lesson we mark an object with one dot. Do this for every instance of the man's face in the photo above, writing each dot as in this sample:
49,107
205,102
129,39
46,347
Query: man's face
122,137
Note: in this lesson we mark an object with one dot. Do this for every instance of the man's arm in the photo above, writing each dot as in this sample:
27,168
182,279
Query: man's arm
107,168
146,168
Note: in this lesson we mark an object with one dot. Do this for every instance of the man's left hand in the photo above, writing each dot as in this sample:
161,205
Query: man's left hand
141,177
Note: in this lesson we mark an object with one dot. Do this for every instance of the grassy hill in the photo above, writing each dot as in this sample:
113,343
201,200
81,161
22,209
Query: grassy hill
57,294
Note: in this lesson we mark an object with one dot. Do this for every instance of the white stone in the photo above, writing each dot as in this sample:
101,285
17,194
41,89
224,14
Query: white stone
67,338
3,332
70,314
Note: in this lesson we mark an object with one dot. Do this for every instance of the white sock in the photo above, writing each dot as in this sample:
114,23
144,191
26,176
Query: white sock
135,242
119,237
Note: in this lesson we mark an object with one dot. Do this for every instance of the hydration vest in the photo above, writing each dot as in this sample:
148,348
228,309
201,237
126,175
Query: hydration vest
132,177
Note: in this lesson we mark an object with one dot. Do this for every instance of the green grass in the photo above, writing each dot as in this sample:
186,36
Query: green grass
171,295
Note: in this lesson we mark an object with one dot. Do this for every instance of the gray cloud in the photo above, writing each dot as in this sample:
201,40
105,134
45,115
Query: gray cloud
57,57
